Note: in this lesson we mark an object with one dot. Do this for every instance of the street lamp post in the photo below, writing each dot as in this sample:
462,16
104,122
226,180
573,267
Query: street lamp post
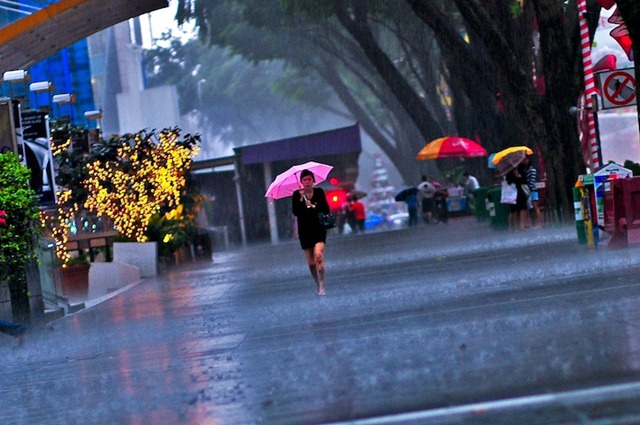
95,115
40,87
13,77
63,99
591,108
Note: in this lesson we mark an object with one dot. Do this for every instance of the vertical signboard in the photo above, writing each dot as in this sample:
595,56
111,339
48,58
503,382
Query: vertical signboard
37,155
7,127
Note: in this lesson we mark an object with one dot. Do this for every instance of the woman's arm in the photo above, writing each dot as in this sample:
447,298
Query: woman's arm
322,205
296,204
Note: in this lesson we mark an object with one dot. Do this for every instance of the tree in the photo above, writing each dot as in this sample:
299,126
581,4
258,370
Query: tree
498,42
321,49
144,173
237,101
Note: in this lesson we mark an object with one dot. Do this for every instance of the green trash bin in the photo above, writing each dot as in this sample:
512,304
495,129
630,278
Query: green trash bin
577,209
481,210
498,212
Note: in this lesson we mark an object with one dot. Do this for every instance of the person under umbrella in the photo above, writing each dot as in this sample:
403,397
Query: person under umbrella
410,197
306,203
518,215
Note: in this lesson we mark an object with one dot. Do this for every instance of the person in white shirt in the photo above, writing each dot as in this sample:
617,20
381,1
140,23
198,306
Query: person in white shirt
470,186
426,191
471,183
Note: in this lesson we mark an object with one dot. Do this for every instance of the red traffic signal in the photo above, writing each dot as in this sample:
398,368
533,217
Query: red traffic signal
336,198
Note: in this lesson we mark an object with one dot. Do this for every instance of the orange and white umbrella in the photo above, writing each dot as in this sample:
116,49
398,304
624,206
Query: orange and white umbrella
451,147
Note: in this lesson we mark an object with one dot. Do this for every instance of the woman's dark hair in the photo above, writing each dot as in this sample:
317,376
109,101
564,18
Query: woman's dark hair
305,173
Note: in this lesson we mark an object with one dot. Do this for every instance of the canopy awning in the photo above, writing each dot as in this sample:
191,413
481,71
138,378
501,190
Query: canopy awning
331,142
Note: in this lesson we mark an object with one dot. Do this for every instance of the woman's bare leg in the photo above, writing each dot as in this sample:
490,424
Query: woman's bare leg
308,253
318,256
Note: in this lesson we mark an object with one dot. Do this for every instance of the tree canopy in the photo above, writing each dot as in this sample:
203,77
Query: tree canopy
416,70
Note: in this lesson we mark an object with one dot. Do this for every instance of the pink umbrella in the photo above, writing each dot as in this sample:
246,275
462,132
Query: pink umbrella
285,184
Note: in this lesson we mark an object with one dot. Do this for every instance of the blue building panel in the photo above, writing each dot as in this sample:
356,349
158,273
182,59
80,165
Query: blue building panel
69,70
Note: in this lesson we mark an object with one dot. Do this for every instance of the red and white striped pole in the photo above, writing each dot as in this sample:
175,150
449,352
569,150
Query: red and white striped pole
589,86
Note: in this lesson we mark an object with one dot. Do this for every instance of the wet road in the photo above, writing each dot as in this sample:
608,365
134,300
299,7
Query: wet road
449,324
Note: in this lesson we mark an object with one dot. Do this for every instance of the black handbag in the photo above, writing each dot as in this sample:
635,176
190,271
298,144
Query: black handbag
327,220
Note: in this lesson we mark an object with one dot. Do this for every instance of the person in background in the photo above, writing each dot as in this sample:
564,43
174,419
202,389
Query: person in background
306,204
344,215
441,214
359,216
412,208
471,183
533,203
426,191
518,215
470,186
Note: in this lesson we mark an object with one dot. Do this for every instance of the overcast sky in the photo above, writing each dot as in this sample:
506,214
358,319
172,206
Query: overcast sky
160,21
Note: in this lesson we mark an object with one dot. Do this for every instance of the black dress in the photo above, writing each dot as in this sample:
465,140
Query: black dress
521,200
310,232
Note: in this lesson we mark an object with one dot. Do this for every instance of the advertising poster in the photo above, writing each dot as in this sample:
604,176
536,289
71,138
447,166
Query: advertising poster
37,155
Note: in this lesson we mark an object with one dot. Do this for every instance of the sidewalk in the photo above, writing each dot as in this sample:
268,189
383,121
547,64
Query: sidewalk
415,320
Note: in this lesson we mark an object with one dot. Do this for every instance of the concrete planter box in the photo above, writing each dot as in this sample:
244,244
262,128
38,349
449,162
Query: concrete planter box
75,281
143,255
107,278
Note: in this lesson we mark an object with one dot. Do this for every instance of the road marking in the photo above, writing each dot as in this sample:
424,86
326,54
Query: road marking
608,392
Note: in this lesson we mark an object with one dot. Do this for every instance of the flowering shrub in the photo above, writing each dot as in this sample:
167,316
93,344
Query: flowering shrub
137,180
131,178
19,216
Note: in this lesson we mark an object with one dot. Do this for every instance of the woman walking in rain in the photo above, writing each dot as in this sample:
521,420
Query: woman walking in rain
306,204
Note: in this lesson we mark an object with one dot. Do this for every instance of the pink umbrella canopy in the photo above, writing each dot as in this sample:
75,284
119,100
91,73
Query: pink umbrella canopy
285,184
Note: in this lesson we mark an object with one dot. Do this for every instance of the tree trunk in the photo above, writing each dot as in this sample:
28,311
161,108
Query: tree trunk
19,298
414,106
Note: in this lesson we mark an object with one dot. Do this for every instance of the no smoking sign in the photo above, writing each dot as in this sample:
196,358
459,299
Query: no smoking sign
618,88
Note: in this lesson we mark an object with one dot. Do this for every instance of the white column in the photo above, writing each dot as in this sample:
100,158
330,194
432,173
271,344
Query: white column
236,178
271,209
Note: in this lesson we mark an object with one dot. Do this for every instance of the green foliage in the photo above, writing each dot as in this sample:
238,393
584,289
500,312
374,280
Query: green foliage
18,237
132,177
79,260
231,92
177,228
71,170
633,166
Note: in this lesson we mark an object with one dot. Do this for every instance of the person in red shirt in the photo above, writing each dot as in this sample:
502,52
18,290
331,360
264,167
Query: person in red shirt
357,209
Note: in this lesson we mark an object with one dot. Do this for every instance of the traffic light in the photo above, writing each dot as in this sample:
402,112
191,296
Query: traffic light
336,198
334,181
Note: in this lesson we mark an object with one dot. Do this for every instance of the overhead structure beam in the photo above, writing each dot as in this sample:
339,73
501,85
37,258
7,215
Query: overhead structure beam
46,31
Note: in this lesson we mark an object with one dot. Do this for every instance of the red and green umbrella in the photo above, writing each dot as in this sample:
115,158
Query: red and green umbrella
451,147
